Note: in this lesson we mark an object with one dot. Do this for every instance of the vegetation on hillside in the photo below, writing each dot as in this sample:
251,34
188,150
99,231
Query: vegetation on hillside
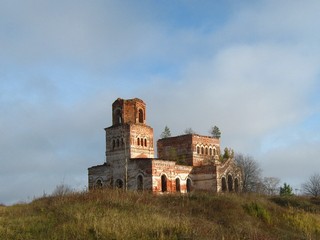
115,214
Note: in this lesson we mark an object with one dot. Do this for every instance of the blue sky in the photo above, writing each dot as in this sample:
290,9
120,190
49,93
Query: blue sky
250,68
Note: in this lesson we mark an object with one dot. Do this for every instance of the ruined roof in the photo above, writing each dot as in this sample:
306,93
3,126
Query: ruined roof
129,100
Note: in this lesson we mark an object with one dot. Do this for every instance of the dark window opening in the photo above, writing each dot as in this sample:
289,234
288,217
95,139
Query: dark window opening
140,183
163,183
188,185
118,143
230,183
177,185
99,184
236,185
145,142
141,116
198,150
119,183
138,141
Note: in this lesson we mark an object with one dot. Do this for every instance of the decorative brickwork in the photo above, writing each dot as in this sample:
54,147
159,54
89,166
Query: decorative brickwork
185,163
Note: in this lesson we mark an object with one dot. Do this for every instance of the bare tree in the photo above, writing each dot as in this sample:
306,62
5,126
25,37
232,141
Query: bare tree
271,185
189,131
62,190
312,186
250,172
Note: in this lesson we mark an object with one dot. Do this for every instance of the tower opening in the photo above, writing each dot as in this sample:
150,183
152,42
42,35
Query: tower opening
141,118
118,116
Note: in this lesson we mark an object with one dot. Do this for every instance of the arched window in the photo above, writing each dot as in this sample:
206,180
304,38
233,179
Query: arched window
188,185
98,183
236,184
145,142
141,116
210,151
138,141
119,183
163,183
224,184
140,183
118,116
118,143
198,149
206,151
202,150
177,185
230,183
214,152
113,144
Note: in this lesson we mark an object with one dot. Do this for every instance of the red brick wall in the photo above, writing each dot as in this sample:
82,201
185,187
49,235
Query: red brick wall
178,149
183,149
129,110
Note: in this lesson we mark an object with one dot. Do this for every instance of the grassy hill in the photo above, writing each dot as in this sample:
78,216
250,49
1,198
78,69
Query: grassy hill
116,214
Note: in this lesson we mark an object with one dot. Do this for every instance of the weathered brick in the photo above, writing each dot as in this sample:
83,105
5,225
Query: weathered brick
185,163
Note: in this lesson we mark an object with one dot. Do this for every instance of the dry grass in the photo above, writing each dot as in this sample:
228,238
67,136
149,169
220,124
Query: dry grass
119,215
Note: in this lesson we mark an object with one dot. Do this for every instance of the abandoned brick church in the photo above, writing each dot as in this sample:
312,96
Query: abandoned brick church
184,163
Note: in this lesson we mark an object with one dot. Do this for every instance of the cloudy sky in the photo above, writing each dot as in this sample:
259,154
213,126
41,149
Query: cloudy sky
250,67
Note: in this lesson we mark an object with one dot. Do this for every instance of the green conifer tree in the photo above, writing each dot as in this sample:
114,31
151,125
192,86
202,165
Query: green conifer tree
166,133
215,132
286,190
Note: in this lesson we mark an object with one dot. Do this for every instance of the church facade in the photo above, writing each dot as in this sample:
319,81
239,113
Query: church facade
184,163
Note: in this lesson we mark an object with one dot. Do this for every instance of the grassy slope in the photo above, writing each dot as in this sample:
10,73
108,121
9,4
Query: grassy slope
118,215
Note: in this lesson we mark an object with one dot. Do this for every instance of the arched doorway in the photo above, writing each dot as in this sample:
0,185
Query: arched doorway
140,183
178,185
163,183
223,184
188,185
230,183
236,184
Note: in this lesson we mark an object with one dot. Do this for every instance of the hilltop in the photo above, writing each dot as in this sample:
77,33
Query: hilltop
114,214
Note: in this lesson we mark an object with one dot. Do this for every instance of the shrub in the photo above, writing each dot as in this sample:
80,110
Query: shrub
62,190
256,210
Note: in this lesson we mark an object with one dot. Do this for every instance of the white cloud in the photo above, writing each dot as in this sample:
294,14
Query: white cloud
99,34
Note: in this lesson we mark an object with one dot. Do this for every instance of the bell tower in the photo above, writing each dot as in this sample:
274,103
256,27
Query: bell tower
130,111
129,136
